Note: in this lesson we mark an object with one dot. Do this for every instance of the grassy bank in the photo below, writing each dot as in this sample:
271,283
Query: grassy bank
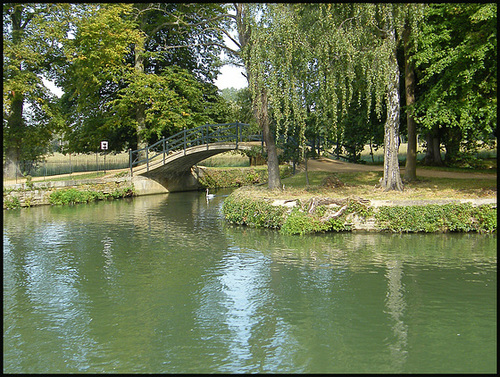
366,185
260,208
342,202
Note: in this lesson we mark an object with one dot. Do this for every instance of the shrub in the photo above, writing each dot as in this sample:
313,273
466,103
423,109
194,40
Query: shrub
299,222
11,202
254,213
73,196
437,218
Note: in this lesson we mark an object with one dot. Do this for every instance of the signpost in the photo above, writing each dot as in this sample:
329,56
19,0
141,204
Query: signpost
104,147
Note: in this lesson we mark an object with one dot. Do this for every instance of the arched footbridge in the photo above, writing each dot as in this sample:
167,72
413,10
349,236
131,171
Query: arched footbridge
170,160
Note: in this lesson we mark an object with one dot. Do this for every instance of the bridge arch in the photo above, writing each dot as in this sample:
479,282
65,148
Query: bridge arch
169,161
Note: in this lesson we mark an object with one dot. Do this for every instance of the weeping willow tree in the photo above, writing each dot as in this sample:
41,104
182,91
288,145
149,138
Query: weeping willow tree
278,62
318,57
356,49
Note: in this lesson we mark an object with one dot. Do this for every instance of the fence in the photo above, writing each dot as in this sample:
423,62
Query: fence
58,163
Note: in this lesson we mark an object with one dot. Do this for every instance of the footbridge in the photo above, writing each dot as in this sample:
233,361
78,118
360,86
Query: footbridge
170,160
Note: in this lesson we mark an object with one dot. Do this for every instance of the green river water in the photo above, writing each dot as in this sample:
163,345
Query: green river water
161,284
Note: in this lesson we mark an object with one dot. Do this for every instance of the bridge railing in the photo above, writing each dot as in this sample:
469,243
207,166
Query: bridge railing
181,141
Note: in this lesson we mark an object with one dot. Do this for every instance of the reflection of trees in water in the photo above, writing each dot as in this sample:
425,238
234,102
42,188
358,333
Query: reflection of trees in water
358,250
395,303
238,305
324,274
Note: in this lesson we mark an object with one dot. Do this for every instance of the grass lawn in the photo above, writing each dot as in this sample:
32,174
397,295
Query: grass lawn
365,185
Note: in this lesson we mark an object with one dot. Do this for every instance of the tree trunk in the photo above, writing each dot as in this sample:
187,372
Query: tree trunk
452,144
140,116
411,154
392,177
433,151
273,171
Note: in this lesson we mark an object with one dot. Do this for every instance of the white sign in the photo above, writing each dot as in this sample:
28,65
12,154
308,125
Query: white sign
104,145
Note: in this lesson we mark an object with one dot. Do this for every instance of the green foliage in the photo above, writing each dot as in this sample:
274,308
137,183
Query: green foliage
236,177
456,60
73,196
139,72
31,50
299,222
259,213
11,202
240,208
437,218
173,100
29,182
240,106
254,213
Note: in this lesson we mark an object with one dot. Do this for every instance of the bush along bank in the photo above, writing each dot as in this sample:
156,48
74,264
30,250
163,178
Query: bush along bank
334,215
237,177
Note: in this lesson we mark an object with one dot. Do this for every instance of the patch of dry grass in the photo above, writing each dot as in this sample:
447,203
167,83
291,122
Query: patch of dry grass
365,185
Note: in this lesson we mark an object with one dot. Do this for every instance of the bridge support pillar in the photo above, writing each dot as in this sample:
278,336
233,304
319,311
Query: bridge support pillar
146,186
178,181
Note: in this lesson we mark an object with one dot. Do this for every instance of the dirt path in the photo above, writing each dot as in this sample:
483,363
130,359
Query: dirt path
321,164
326,164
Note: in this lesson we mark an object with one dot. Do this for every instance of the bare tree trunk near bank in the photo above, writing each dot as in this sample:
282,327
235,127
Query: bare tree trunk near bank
392,177
15,122
273,172
15,126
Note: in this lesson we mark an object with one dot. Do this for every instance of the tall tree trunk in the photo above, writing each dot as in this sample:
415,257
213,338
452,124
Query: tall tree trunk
15,126
392,177
411,154
260,103
273,171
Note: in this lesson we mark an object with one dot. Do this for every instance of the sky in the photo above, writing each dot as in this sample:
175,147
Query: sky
231,77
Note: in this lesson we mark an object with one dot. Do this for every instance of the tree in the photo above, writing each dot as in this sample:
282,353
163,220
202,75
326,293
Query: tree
413,19
157,78
359,42
247,33
240,105
31,52
326,48
456,61
95,71
392,178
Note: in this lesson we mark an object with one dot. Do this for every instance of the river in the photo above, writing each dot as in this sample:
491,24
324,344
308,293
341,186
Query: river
161,284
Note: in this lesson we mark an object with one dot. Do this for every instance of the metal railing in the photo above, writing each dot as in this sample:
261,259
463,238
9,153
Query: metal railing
181,141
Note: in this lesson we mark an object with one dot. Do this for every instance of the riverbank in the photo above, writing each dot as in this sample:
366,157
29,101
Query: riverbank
327,178
260,208
30,193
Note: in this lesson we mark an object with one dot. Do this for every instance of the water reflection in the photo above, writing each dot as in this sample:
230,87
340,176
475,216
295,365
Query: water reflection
162,284
396,306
